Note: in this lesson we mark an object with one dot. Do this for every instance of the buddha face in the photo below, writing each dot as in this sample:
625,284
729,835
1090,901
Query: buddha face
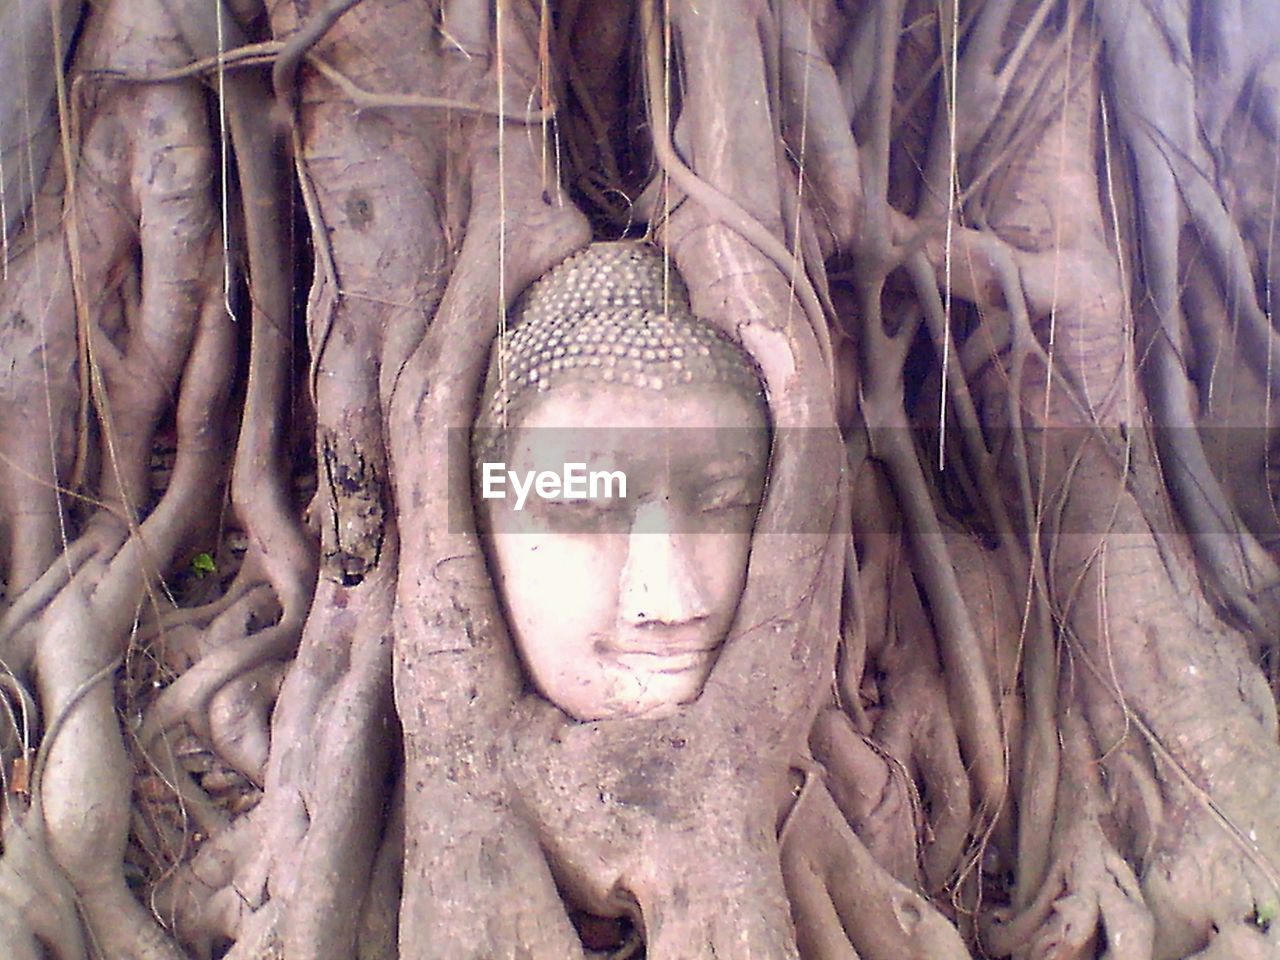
618,604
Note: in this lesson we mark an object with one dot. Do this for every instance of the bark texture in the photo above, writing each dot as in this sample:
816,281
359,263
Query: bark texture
1007,268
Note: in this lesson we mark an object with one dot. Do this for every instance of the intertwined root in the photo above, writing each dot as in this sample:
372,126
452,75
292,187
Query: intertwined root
1050,732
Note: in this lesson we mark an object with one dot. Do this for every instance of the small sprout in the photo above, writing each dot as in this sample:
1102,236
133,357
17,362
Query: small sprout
1264,914
203,564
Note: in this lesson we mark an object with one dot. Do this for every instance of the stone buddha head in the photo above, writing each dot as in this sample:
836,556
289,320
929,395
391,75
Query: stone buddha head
621,453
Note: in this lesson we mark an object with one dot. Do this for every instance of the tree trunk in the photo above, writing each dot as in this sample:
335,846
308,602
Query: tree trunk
1002,680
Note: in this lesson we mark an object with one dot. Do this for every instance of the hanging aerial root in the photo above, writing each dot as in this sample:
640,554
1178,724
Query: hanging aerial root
817,129
1153,98
723,207
977,721
261,475
1090,891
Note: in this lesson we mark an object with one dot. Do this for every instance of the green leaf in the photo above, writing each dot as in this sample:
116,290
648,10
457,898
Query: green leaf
202,564
1265,914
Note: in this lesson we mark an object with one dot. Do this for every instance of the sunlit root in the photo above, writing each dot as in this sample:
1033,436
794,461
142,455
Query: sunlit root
881,918
872,791
233,658
1240,941
199,901
36,901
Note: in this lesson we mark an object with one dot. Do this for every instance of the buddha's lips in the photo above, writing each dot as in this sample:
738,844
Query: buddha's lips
656,641
667,662
656,653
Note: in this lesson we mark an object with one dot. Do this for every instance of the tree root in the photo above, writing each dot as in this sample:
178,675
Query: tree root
187,699
872,792
36,900
1145,833
881,918
1240,941
1090,894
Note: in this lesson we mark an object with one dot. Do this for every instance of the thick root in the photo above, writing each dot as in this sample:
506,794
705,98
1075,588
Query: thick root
846,899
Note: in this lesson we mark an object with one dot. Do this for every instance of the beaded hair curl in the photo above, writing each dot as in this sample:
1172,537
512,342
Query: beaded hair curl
611,313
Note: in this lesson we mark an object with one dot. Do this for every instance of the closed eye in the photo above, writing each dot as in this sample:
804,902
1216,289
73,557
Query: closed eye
732,493
598,504
588,514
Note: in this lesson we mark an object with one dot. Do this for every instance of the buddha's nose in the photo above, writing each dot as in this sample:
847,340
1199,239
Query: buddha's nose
660,582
